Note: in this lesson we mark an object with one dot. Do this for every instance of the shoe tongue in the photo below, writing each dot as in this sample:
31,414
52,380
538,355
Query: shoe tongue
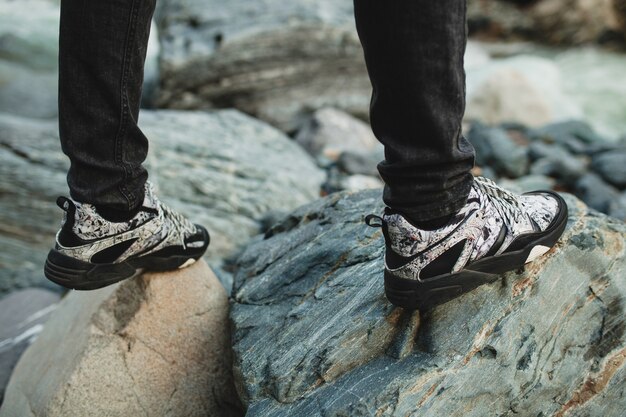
150,200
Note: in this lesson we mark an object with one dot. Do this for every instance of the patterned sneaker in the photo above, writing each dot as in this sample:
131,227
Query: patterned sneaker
495,232
92,252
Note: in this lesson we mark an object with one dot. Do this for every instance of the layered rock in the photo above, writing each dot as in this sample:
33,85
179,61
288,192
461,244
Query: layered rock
272,59
152,346
569,22
28,57
222,169
315,336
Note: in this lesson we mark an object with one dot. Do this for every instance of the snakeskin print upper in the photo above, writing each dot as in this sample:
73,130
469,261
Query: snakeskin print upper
153,230
479,222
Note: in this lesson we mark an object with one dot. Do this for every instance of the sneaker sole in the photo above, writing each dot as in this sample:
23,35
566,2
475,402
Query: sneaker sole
425,294
75,274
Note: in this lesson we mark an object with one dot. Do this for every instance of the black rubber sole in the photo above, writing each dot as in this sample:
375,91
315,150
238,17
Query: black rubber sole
423,295
79,275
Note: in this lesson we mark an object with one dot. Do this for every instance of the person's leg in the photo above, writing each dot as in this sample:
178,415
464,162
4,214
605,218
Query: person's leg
114,225
446,232
102,48
414,54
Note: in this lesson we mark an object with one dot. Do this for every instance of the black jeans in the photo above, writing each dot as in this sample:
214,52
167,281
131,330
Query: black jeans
414,53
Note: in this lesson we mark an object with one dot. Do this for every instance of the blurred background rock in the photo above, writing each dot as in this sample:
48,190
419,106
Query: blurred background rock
546,106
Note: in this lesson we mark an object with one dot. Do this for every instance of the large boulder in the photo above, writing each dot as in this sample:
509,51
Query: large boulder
28,57
223,169
226,170
152,346
315,336
276,60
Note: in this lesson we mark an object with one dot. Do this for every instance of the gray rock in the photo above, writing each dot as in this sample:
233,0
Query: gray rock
276,60
363,163
329,132
612,167
28,57
529,183
223,169
32,176
22,316
361,182
494,147
314,335
226,170
553,160
596,193
567,132
152,346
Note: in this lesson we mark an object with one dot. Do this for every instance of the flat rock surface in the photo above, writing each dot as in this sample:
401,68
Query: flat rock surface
157,345
222,169
315,336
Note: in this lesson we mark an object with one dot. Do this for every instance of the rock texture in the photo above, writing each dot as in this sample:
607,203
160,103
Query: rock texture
32,176
314,335
22,316
28,57
223,169
330,132
563,22
226,170
522,89
272,59
157,345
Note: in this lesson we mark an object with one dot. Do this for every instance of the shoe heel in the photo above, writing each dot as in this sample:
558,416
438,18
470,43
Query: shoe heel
424,295
75,274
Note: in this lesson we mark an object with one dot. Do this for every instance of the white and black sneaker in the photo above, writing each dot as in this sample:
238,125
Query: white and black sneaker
92,252
496,231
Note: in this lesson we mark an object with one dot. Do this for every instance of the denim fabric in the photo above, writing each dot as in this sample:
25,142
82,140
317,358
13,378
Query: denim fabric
102,48
414,54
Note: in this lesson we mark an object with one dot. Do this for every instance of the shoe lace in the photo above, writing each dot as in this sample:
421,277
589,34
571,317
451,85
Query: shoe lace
182,226
505,202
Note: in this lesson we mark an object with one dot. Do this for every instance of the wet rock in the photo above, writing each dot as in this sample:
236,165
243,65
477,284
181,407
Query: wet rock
494,147
22,316
152,346
222,169
315,336
612,167
275,60
329,132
